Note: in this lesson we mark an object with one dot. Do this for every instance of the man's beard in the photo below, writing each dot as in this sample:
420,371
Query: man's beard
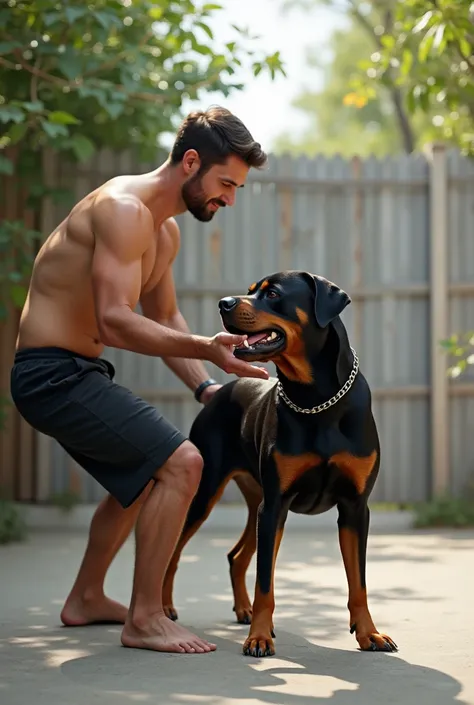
196,201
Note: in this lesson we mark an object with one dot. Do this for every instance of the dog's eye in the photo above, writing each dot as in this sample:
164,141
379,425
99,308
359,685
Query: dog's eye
272,294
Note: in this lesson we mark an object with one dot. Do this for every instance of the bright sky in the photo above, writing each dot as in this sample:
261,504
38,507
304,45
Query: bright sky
265,105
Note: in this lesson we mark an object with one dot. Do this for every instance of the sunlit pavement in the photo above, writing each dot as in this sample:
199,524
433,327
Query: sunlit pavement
421,588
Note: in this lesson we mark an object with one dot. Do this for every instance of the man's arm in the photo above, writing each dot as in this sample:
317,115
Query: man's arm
160,305
123,232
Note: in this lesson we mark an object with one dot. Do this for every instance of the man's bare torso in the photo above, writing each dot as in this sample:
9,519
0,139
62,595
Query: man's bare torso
60,310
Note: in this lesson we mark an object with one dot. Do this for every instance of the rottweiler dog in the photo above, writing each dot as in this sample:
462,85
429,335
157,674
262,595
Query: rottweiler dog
304,442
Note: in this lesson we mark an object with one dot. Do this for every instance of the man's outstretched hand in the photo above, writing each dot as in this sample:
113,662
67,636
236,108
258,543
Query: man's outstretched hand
221,353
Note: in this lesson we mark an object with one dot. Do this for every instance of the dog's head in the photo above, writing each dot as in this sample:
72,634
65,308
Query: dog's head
287,317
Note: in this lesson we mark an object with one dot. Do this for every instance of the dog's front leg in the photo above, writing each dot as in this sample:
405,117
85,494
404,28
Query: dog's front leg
271,521
353,524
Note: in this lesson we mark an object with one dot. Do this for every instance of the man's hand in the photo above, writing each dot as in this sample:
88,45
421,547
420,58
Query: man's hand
208,393
221,353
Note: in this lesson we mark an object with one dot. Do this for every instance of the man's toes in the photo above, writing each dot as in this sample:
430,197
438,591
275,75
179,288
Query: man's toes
188,647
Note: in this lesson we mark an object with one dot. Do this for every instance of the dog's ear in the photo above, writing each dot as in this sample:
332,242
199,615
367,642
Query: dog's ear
329,300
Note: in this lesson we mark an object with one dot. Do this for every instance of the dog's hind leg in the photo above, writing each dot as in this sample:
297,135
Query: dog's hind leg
240,556
205,499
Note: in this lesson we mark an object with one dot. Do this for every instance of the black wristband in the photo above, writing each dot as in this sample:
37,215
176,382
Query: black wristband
202,387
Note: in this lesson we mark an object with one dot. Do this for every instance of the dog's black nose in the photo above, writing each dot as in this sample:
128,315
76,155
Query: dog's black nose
228,303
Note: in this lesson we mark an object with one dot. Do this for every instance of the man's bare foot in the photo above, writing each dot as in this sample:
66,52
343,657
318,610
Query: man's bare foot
77,612
161,634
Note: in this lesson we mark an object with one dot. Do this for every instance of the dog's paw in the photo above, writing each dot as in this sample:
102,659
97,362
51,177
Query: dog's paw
170,612
374,641
243,614
256,645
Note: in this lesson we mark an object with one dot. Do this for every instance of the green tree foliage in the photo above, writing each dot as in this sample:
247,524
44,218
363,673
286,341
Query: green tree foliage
109,72
428,52
339,120
378,95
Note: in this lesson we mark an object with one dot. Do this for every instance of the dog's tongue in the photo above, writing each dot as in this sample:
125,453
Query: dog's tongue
252,339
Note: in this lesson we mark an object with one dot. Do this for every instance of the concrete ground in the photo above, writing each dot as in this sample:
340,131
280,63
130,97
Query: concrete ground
421,588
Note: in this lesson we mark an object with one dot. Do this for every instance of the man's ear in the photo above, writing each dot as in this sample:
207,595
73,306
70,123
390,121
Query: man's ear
329,300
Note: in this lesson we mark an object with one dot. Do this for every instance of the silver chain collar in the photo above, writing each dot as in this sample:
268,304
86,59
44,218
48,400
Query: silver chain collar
330,402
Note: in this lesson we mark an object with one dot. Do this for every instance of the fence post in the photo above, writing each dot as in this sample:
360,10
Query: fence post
439,297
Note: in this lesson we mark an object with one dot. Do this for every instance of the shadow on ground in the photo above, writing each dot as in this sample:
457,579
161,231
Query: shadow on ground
91,659
43,663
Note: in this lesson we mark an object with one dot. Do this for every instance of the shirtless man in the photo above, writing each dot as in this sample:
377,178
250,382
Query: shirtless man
116,249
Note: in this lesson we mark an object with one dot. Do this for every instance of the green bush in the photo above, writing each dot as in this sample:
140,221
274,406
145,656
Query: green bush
446,512
12,525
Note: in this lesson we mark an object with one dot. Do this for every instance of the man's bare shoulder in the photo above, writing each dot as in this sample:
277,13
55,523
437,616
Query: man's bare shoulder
115,215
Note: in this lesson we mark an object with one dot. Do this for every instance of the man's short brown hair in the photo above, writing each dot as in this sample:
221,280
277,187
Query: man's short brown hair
215,135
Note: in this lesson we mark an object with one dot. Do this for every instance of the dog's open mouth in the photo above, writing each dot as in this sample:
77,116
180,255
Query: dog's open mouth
264,343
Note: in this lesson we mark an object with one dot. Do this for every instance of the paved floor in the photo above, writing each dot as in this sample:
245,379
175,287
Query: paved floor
421,589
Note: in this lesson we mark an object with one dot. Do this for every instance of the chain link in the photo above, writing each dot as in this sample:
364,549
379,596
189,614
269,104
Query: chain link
330,402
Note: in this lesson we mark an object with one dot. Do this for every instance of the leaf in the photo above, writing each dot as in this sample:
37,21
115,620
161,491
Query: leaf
82,147
106,19
70,64
10,113
73,13
426,44
156,13
114,109
50,18
60,117
465,47
18,295
423,22
439,41
34,107
210,6
411,105
206,29
54,130
407,62
6,166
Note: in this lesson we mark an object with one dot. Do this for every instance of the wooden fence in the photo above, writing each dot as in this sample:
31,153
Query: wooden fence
396,233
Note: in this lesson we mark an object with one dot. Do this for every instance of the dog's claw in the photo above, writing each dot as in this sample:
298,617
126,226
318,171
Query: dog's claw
352,629
258,647
171,613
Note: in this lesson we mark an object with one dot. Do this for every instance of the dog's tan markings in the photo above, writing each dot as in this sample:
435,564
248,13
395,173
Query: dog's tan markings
264,285
356,469
291,467
252,287
261,629
302,316
360,619
293,362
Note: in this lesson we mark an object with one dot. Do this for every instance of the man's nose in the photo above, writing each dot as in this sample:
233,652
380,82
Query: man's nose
228,303
228,198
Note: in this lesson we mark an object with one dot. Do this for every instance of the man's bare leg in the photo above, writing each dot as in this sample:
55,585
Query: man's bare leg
110,527
157,532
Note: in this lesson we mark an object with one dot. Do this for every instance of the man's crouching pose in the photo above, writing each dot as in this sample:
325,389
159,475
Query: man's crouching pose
114,250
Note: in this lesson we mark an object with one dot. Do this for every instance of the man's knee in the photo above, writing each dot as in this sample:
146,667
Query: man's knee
183,469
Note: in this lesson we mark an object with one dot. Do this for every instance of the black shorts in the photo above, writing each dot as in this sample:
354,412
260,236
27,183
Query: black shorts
116,437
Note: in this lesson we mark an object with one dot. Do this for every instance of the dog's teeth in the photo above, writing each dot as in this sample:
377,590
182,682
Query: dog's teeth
273,335
246,344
